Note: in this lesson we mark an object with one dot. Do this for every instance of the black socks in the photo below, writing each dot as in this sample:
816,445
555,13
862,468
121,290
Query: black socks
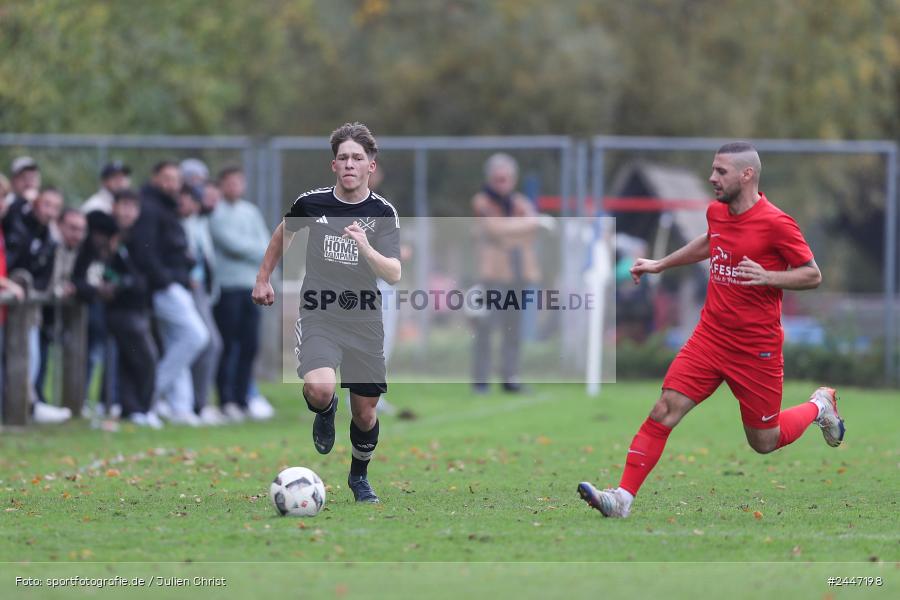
363,446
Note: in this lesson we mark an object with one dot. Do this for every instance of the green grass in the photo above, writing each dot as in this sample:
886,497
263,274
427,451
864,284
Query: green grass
472,479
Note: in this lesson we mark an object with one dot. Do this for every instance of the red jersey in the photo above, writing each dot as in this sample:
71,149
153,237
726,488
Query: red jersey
748,318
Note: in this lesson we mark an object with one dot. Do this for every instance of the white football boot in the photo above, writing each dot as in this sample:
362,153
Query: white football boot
829,420
610,502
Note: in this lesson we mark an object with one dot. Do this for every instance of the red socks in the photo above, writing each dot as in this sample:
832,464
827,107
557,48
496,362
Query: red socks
646,448
794,421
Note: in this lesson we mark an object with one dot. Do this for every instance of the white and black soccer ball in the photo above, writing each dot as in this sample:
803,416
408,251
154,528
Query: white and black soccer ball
297,492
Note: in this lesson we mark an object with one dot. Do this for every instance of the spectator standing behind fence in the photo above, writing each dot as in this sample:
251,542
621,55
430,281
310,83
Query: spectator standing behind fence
114,177
30,247
128,315
161,248
72,227
211,197
240,237
204,290
194,174
87,279
97,277
507,260
25,182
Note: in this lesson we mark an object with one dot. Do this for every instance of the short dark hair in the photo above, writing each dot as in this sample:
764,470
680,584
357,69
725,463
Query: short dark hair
228,172
357,132
189,190
127,194
736,148
164,164
102,223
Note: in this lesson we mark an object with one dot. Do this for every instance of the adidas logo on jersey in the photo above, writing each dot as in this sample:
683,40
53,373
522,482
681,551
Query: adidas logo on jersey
322,219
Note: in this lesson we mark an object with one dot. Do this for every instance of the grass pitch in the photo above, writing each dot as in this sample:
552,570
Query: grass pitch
475,479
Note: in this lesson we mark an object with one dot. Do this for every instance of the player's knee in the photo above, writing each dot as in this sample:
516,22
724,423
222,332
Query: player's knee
318,394
365,419
659,411
363,415
763,446
667,410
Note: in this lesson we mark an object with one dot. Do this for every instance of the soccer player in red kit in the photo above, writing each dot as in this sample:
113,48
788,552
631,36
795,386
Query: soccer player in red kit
755,251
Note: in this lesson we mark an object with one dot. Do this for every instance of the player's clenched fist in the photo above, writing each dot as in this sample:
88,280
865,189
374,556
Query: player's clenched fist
641,266
357,233
263,294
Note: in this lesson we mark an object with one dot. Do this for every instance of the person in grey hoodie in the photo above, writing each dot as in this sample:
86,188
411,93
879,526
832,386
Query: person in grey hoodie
240,237
204,290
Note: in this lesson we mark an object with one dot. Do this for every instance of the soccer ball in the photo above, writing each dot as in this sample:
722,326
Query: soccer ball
298,492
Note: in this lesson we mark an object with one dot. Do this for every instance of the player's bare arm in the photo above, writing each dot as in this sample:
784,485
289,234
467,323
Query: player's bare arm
804,277
386,268
692,252
263,293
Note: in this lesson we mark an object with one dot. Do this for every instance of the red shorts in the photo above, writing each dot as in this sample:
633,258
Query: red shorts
756,381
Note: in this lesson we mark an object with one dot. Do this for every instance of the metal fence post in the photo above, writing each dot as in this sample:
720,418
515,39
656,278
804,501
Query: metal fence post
890,270
423,239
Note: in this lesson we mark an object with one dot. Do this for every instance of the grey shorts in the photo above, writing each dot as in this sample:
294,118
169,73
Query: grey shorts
354,347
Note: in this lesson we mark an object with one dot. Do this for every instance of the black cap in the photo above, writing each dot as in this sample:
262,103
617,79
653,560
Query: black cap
115,167
100,222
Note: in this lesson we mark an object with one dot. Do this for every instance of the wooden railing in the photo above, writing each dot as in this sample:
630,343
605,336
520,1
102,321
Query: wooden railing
72,315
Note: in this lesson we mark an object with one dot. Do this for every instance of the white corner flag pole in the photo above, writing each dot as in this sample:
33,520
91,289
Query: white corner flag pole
597,279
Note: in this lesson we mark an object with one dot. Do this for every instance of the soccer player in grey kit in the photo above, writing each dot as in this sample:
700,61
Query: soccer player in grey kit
354,239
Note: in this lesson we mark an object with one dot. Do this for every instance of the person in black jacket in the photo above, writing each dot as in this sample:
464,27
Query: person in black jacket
30,246
160,249
106,269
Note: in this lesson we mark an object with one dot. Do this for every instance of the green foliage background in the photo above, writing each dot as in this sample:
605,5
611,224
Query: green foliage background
826,69
775,68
